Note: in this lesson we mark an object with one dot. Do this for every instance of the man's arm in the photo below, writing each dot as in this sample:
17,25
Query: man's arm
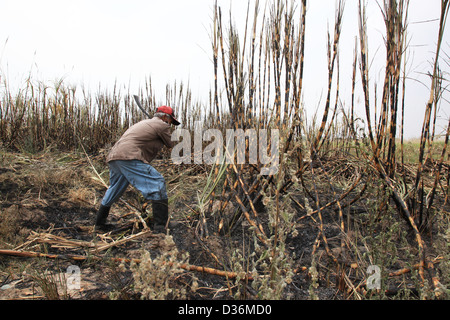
166,135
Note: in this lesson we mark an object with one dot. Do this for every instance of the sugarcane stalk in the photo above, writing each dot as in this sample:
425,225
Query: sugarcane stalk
185,266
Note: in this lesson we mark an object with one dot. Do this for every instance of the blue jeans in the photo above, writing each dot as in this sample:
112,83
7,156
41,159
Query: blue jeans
140,175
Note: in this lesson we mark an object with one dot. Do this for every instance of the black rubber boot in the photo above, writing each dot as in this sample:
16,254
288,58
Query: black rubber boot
160,215
102,215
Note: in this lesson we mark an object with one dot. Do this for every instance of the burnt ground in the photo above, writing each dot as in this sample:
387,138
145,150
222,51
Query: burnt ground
48,205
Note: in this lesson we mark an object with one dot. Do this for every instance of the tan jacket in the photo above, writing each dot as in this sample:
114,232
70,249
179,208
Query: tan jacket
142,141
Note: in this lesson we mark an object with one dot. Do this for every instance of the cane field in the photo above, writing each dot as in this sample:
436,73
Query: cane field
354,212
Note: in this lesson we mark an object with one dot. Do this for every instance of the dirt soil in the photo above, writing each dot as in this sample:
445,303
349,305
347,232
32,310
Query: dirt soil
48,205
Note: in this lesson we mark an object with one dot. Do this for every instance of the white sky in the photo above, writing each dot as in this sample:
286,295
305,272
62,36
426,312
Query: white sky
96,42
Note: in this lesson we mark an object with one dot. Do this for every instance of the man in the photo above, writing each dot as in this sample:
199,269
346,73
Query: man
129,163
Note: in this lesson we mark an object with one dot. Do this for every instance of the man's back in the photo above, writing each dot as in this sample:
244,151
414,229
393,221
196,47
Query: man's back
142,141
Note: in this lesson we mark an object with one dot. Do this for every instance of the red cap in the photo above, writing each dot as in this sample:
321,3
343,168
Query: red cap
169,111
